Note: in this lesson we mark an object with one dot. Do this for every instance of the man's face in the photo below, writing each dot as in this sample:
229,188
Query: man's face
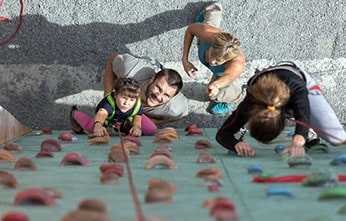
159,92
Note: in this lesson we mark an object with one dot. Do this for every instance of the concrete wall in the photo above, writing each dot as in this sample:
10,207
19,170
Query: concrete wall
59,56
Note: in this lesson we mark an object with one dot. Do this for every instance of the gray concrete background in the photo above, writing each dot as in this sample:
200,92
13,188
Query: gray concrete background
59,56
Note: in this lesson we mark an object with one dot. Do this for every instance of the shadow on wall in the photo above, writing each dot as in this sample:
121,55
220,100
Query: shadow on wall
29,92
41,42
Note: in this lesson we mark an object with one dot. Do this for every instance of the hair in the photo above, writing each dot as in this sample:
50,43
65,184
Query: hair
266,118
225,46
173,78
127,86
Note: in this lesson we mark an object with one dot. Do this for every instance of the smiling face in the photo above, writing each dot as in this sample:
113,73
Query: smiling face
159,92
125,102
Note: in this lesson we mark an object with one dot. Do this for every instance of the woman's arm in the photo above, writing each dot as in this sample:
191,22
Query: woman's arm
109,76
233,69
202,31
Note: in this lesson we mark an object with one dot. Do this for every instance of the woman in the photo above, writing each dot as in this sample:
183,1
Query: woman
273,95
220,52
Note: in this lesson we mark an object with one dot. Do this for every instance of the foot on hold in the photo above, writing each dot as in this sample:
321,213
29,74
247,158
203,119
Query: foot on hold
312,139
220,108
74,124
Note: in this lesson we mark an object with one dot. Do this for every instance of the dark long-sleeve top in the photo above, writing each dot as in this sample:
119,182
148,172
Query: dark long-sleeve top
297,107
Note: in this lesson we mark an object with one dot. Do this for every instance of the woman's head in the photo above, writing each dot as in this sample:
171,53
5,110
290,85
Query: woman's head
126,93
266,118
224,47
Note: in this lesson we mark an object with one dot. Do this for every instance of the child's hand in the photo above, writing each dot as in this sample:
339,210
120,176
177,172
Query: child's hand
136,131
100,130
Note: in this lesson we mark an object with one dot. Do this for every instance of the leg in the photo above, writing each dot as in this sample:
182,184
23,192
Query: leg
323,116
213,14
86,122
225,99
148,127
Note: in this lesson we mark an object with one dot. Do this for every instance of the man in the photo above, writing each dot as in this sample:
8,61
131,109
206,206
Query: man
160,88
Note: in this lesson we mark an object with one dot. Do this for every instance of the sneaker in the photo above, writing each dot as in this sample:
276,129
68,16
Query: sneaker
74,124
312,140
240,134
220,108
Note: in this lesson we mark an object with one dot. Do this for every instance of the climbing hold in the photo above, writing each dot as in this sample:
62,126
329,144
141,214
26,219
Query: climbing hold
337,192
160,162
284,157
15,216
265,175
319,147
43,154
202,144
290,134
91,204
339,160
132,139
157,183
13,147
279,148
7,180
112,168
205,157
299,161
210,173
117,155
254,169
51,145
65,137
158,196
74,159
342,210
6,156
25,163
33,196
132,147
279,192
47,130
321,178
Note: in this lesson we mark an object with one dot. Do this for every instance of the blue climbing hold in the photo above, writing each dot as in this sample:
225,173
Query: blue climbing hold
339,160
279,148
278,192
255,169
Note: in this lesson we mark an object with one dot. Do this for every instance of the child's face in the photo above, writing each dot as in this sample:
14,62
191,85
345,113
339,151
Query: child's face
125,103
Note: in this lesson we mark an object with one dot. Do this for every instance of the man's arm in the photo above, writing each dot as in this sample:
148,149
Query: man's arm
109,76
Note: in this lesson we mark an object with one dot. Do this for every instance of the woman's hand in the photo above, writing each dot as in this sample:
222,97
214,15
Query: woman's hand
99,130
244,149
212,90
296,147
190,69
135,131
294,150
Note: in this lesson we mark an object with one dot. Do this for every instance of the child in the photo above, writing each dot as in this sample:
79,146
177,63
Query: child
123,105
273,95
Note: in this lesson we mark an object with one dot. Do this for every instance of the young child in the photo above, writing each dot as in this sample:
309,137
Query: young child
273,95
123,105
